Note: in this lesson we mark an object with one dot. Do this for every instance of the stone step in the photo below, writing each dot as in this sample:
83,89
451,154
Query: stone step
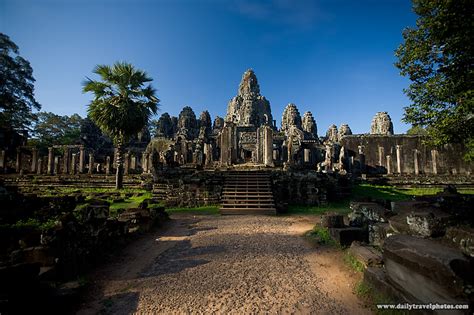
270,211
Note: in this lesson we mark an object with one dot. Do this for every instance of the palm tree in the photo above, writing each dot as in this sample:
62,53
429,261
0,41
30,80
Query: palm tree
122,105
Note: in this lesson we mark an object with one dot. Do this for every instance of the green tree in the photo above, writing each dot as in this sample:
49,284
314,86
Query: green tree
417,130
437,56
17,99
50,129
122,105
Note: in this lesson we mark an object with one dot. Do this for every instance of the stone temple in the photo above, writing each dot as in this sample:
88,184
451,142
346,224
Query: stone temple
249,137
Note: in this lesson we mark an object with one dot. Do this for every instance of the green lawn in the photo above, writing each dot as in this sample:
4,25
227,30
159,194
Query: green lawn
366,190
206,210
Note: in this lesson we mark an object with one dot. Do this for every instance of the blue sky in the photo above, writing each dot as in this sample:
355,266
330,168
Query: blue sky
333,58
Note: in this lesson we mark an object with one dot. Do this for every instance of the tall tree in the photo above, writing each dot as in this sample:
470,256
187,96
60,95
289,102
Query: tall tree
122,106
50,129
438,57
17,99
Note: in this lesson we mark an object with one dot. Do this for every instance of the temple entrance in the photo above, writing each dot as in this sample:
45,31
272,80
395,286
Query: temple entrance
247,156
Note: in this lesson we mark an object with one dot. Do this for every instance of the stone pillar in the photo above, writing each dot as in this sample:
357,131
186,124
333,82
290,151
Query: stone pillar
73,168
381,155
434,161
307,155
18,160
290,150
362,159
133,162
126,163
39,166
415,162
56,165
66,160
91,163
34,159
82,158
399,159
208,153
275,155
50,161
389,164
107,165
3,160
267,146
144,162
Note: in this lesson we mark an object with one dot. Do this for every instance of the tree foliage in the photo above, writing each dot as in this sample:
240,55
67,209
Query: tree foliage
437,56
122,106
50,129
17,100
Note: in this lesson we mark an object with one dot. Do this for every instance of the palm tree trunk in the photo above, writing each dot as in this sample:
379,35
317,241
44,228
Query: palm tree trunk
119,162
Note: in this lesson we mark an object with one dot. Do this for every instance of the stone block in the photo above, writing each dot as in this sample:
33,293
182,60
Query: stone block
377,279
345,236
95,212
427,270
463,237
367,255
332,221
406,206
39,254
428,223
378,232
364,212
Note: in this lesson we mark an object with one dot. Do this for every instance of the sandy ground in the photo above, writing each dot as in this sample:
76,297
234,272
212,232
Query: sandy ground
225,265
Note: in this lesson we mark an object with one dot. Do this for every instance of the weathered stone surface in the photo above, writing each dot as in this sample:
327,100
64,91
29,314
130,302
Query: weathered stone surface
331,134
407,206
344,130
39,254
249,108
164,126
377,278
363,212
428,223
205,121
345,236
332,221
218,123
463,237
187,124
366,255
378,232
426,270
381,124
309,124
291,118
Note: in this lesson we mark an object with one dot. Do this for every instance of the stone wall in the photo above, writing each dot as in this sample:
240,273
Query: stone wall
188,187
403,154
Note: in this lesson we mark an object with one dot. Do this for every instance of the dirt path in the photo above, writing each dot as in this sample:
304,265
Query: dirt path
226,264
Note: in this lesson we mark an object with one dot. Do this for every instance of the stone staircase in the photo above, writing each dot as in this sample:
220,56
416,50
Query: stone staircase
247,192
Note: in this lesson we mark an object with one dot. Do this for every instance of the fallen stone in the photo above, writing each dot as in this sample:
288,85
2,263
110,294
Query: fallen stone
463,237
363,212
332,221
39,254
406,206
377,279
367,255
378,232
428,223
345,236
427,270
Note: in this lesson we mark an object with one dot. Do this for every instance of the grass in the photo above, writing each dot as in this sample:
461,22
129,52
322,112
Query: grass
321,236
372,297
362,191
205,210
352,262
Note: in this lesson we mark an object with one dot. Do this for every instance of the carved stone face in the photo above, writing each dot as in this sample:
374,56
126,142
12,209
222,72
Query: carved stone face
381,124
249,108
291,117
